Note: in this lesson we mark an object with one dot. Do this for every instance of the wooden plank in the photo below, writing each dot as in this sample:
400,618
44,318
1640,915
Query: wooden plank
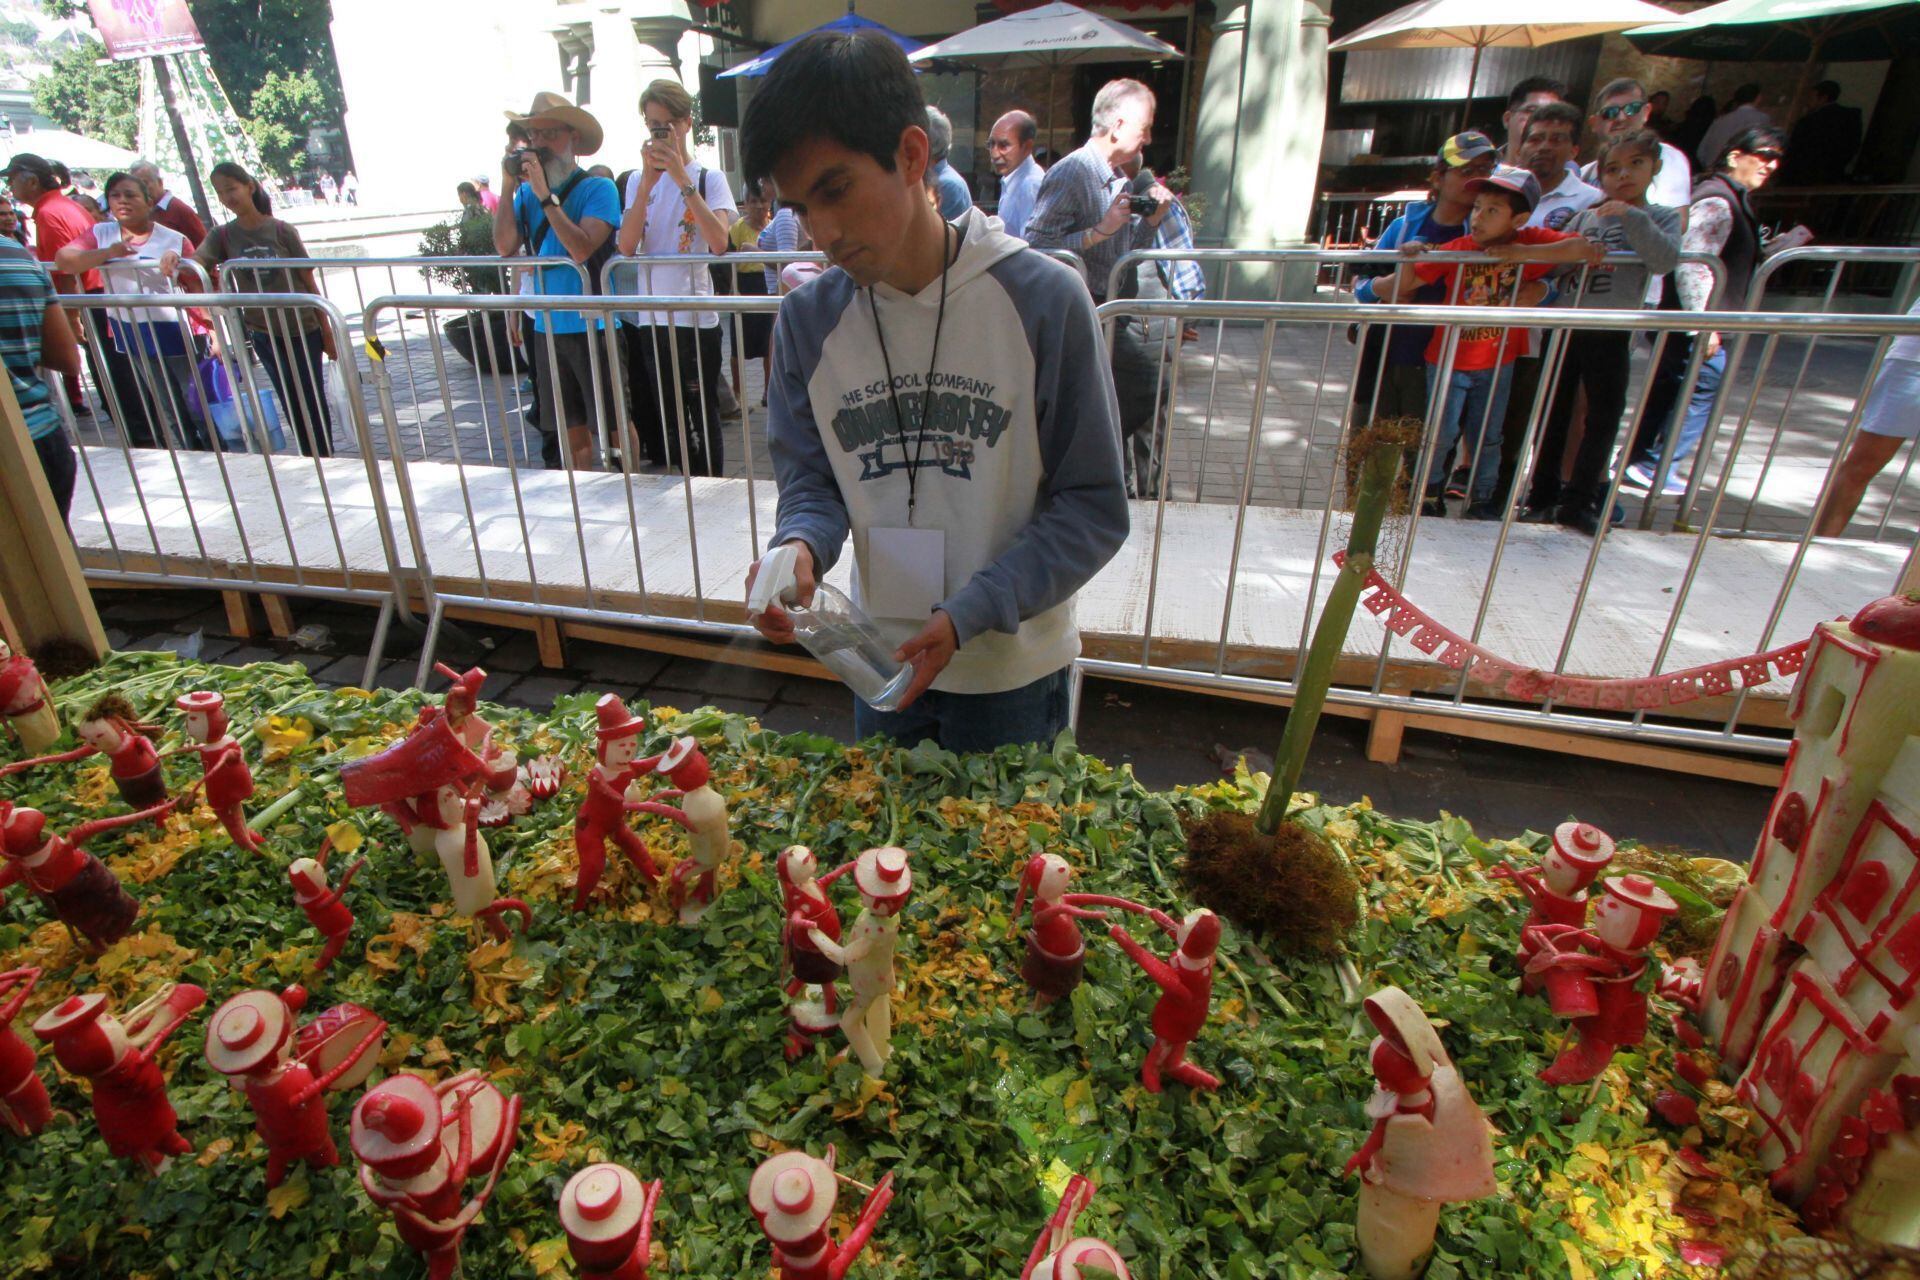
1383,736
1702,764
279,615
553,651
43,594
797,663
240,617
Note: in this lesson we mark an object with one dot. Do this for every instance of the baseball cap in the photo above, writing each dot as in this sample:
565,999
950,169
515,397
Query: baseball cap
1508,178
26,161
1463,148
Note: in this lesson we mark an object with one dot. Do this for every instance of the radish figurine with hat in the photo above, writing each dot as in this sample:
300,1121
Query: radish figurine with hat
1060,1255
251,1038
701,810
603,812
82,893
884,881
1558,890
1430,1144
418,1143
1056,954
607,1214
325,908
129,1094
25,703
792,1196
1186,993
507,798
807,908
226,783
111,728
1594,976
24,1108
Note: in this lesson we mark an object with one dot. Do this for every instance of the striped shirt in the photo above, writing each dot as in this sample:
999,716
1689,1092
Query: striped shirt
1076,194
780,235
25,294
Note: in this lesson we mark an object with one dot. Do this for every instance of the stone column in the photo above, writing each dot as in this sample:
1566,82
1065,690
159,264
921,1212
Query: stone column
1263,107
634,44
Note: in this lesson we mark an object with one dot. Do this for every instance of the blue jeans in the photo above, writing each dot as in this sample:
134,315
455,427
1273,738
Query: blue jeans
974,721
1471,397
1706,389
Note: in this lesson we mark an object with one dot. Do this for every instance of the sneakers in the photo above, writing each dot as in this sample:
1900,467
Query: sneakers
1457,483
1674,487
1638,476
1586,519
1548,514
1487,510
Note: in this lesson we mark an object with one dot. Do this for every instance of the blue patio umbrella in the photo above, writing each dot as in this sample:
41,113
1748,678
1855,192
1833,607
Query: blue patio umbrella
849,22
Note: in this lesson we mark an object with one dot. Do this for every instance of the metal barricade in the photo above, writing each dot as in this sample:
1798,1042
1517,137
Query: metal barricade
188,508
1276,558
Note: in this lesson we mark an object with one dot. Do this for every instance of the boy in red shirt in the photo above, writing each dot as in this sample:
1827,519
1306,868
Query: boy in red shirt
1474,397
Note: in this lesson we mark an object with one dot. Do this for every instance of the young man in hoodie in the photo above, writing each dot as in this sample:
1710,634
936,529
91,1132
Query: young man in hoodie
941,396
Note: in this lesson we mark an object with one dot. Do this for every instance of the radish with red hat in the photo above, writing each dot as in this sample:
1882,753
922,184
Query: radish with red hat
1430,1143
226,781
111,728
792,1196
704,814
76,886
287,1073
325,908
1558,890
603,811
1593,977
507,795
25,703
1186,994
418,1143
130,1101
885,881
607,1214
1060,1255
24,1107
1056,958
807,908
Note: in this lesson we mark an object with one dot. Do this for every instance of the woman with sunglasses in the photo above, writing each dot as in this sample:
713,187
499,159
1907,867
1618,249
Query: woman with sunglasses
1720,221
151,355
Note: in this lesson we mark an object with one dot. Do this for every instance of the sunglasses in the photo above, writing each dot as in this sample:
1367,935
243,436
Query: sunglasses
1619,109
1768,157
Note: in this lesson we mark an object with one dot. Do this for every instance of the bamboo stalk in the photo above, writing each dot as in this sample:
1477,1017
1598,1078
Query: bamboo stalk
1330,633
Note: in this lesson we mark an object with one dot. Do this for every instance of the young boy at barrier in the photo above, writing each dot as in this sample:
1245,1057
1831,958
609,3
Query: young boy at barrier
1599,361
1400,389
1473,398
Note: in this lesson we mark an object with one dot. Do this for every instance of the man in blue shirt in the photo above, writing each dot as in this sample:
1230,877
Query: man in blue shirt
34,335
955,197
559,210
1010,150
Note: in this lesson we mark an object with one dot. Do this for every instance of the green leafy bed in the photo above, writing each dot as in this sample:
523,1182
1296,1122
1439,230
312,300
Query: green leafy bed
634,1039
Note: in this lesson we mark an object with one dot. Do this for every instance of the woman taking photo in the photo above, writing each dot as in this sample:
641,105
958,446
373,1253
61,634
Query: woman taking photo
152,355
289,341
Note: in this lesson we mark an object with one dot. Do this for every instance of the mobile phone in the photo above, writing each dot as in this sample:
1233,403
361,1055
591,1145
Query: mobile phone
659,131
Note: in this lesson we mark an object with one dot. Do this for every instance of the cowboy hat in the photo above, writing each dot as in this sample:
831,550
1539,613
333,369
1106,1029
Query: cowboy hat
1584,845
792,1194
553,108
883,873
247,1031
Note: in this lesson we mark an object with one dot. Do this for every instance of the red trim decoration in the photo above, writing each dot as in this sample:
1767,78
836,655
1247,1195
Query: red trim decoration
1530,684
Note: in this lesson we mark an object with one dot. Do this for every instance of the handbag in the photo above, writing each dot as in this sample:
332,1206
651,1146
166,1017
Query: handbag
233,415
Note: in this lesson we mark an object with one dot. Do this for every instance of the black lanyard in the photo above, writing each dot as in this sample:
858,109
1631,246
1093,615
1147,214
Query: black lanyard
926,390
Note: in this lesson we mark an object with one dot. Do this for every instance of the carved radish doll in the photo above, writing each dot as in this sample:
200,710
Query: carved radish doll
607,1214
130,1101
25,703
1060,1255
1186,994
111,728
1557,892
704,814
1593,977
792,1196
325,908
24,1107
808,909
885,882
603,812
82,893
227,783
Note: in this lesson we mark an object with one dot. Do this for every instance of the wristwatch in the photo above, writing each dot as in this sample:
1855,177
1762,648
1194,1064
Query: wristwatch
553,200
689,190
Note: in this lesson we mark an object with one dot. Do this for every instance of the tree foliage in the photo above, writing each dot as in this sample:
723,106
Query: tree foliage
101,100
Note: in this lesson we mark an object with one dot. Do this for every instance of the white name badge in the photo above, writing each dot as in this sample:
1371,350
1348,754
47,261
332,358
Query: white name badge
906,572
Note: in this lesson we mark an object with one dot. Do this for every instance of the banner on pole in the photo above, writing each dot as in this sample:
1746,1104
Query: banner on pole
143,28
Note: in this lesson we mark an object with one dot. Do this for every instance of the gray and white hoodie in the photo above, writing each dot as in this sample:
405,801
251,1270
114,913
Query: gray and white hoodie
1021,461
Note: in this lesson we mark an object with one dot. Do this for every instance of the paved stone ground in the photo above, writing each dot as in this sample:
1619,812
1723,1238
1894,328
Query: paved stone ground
443,410
1167,737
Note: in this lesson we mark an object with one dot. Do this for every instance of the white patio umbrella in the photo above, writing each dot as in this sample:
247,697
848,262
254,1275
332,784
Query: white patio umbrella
74,150
1051,36
1480,25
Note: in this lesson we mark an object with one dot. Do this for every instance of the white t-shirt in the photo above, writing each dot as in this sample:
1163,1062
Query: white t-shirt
671,229
1906,348
122,275
1558,206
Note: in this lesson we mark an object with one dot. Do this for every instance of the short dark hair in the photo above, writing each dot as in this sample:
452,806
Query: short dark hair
1532,85
467,189
1645,141
856,89
1828,89
1749,141
1614,88
237,173
62,177
1746,93
35,167
115,179
1556,113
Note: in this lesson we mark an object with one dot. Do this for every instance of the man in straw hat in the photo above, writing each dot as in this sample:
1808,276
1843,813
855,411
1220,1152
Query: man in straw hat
559,210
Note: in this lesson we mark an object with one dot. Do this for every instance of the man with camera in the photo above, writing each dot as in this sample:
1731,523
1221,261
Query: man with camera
1087,204
560,210
675,206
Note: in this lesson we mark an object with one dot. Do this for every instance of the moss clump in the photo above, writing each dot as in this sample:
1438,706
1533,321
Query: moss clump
1293,886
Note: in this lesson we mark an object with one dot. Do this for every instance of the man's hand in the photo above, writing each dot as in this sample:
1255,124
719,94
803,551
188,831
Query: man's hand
774,624
534,174
1115,217
663,156
929,652
1163,201
120,249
